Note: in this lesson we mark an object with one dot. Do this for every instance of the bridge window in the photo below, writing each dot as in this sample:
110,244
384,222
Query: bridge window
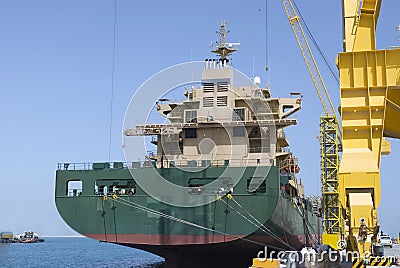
191,116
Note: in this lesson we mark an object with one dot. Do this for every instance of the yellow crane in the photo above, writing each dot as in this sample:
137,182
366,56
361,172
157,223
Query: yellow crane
370,111
329,136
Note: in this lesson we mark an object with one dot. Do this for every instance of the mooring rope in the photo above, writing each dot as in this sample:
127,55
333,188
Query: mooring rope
258,224
143,208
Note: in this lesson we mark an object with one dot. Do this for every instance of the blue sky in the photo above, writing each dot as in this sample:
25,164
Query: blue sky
55,80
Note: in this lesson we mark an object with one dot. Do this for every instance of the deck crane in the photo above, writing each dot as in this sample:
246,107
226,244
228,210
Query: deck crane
330,136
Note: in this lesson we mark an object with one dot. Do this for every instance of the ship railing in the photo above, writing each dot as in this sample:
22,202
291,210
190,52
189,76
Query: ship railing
283,150
259,150
219,163
91,166
290,162
226,121
74,166
148,163
258,110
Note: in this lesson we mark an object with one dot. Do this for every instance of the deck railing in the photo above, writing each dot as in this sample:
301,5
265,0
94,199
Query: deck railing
166,164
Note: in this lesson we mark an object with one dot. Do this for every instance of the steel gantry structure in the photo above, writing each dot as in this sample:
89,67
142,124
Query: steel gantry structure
329,134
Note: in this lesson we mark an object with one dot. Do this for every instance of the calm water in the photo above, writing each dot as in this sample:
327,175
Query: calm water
74,252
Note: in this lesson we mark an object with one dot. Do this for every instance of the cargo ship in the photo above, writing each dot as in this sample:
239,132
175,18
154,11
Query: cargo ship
225,148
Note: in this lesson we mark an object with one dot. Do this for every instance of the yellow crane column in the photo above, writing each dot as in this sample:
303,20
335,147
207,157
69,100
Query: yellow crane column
370,110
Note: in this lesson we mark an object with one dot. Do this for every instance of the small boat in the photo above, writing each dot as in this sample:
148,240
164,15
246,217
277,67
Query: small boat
29,237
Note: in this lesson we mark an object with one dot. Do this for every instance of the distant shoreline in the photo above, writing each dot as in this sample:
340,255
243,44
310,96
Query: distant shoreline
64,236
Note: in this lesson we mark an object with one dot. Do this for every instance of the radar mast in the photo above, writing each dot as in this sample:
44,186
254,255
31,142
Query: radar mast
224,49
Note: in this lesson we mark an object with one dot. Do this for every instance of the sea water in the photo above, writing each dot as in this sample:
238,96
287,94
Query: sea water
74,252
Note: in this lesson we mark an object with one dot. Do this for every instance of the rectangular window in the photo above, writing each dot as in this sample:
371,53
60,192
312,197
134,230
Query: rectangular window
191,116
208,87
222,100
208,101
256,185
74,188
239,131
190,133
117,186
222,86
239,114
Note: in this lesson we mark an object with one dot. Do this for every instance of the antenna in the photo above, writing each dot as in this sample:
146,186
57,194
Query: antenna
398,30
224,49
222,33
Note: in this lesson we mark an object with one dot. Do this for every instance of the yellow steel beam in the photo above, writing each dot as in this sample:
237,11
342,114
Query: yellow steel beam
350,18
370,110
359,24
309,59
265,263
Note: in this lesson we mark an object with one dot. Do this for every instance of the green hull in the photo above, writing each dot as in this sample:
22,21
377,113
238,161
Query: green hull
223,226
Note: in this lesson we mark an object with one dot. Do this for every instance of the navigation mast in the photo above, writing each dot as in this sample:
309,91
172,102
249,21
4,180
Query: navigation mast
224,49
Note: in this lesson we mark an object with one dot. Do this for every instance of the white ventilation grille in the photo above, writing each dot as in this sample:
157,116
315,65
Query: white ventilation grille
208,101
208,87
222,101
222,87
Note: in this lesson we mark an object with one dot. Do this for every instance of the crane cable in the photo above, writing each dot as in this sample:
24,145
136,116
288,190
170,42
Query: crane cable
112,81
266,42
332,71
152,211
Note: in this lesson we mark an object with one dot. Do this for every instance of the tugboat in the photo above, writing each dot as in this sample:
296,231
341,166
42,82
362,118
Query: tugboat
224,145
29,237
